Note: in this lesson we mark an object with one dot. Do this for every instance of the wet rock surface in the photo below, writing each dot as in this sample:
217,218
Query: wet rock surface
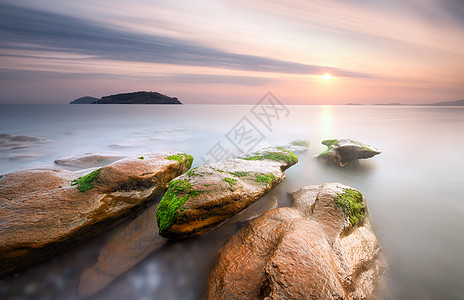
343,151
205,197
43,212
321,248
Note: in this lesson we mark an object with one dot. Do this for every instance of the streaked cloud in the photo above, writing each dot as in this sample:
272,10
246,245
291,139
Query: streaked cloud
50,32
8,74
374,49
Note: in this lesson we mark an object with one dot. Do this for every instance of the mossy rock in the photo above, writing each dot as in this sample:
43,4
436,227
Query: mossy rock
181,158
343,151
278,154
202,199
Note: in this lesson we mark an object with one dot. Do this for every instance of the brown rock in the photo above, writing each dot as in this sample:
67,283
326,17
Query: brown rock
205,197
44,211
321,248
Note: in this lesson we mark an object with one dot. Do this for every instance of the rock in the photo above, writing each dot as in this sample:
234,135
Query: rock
43,212
255,210
12,142
87,161
343,151
85,100
205,197
123,251
321,248
298,146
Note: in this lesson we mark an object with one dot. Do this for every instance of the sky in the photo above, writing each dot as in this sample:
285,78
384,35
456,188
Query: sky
233,51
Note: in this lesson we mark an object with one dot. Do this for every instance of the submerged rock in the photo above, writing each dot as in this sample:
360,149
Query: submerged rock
343,151
298,146
321,248
45,211
123,251
202,199
87,161
16,142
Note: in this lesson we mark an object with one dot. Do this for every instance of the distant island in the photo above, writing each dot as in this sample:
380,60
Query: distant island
446,103
129,98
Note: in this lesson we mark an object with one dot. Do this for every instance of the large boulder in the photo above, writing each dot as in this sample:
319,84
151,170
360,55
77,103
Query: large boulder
205,197
45,211
343,151
321,248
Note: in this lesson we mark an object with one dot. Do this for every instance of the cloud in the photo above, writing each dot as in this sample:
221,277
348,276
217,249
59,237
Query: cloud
12,75
30,29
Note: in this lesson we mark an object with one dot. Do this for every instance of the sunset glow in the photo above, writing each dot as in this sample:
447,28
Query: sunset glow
379,52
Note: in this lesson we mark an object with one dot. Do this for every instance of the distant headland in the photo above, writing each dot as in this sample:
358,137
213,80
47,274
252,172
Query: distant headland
446,103
129,98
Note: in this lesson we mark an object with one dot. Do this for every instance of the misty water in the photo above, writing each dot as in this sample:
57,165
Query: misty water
414,189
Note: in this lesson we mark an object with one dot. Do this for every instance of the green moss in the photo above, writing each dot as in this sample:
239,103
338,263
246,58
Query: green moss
220,171
194,193
191,172
302,143
329,143
140,157
181,157
351,201
86,182
254,157
286,156
279,154
176,195
366,148
230,181
265,178
239,174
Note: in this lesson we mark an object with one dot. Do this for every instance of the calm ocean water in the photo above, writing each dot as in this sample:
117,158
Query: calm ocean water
414,189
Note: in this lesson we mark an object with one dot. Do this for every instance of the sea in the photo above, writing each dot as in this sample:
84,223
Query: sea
414,189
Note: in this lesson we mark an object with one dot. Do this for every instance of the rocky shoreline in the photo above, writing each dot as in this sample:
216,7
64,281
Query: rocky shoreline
44,212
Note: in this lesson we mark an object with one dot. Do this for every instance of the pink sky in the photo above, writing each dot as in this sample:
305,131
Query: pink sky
233,52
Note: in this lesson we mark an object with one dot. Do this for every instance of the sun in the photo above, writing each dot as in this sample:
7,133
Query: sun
327,76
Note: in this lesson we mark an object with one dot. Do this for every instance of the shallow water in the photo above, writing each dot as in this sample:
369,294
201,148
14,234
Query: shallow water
413,189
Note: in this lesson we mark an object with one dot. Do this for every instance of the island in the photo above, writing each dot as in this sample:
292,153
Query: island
129,98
